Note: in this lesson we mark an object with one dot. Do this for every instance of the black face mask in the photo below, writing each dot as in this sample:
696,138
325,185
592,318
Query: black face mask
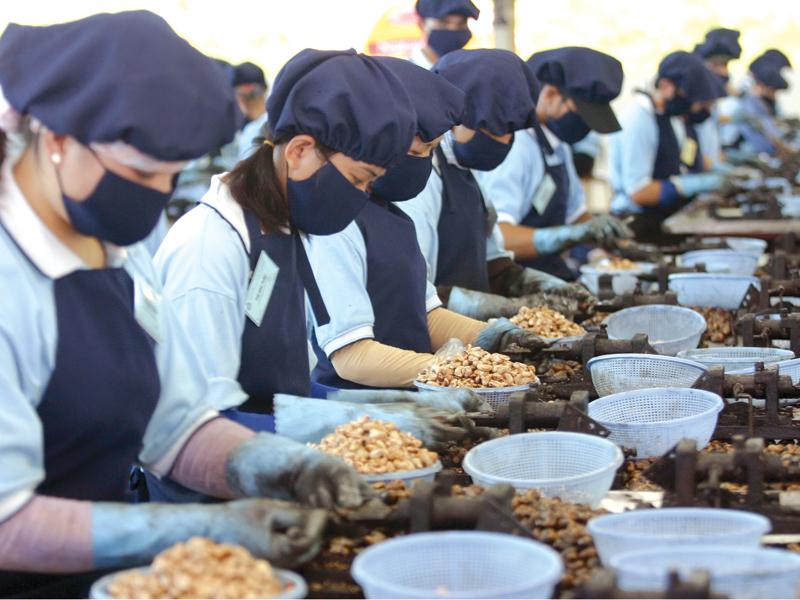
569,128
698,116
325,203
481,153
444,41
771,105
405,180
723,79
677,106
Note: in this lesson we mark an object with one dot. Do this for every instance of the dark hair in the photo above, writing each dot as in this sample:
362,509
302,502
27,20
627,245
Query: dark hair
255,185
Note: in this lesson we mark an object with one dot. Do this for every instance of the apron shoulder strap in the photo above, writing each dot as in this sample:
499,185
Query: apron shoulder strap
310,283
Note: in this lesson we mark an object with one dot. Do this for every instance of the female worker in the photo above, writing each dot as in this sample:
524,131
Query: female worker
96,372
539,200
385,316
235,267
648,161
445,28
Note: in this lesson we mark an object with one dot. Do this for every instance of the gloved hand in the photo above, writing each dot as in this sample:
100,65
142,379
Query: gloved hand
480,305
605,229
697,183
126,535
531,282
276,467
455,400
429,425
599,230
502,333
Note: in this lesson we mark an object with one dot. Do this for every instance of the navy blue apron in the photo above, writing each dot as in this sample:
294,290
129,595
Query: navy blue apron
554,215
396,284
647,224
274,357
462,230
94,412
698,166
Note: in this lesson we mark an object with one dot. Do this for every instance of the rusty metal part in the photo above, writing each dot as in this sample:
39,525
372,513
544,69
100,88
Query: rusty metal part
603,584
757,331
630,299
597,344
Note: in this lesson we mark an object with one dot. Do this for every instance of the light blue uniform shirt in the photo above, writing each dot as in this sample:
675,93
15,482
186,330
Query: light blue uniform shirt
708,138
339,262
514,185
247,137
632,153
28,337
205,273
590,145
756,125
426,209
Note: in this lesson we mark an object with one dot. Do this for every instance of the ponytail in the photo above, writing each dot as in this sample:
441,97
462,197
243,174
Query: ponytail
255,185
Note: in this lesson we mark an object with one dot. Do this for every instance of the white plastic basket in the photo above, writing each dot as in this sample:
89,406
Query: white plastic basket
790,368
670,329
622,280
754,246
458,564
736,359
711,290
615,373
722,261
496,397
407,477
652,421
735,572
575,467
294,586
663,527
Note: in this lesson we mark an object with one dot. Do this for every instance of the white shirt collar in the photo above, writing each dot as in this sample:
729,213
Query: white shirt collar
418,58
41,246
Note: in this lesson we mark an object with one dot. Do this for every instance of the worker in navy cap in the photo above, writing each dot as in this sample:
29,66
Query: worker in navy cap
539,200
445,28
386,318
250,86
244,303
653,163
718,49
755,117
97,372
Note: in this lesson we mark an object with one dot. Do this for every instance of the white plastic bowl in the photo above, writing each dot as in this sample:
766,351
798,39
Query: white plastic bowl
575,467
669,329
615,373
622,280
722,261
736,360
496,397
407,477
711,290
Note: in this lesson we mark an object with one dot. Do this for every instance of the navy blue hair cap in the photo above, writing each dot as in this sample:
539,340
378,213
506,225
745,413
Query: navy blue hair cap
691,76
248,73
590,78
767,71
438,103
720,42
497,85
347,101
776,56
439,9
119,77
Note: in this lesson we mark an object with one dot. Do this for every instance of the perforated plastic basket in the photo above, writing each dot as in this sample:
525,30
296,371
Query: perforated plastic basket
785,367
722,261
669,329
408,477
458,564
575,467
663,527
622,280
615,373
496,397
711,290
754,246
735,572
294,586
653,420
736,359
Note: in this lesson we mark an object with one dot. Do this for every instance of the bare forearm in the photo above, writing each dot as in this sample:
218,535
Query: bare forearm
519,239
649,195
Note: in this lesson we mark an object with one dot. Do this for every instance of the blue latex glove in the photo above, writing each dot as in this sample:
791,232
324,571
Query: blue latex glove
697,183
452,400
599,230
502,333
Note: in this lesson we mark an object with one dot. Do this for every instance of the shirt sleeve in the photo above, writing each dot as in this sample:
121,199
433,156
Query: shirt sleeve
511,186
424,211
635,150
576,202
432,300
339,262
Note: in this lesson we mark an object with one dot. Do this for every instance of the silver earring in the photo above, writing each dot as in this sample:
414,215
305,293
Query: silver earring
56,158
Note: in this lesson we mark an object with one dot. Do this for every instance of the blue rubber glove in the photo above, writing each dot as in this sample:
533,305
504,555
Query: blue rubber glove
602,229
697,183
502,333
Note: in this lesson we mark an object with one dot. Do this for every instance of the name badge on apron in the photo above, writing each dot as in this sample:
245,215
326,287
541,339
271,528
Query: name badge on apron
544,193
689,152
260,289
146,309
